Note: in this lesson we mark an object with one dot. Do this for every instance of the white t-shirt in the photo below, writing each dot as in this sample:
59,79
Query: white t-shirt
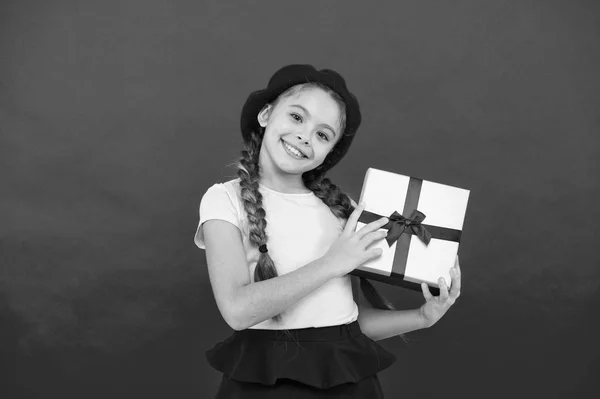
300,228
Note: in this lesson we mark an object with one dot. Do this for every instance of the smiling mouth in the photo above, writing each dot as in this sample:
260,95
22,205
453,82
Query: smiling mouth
284,144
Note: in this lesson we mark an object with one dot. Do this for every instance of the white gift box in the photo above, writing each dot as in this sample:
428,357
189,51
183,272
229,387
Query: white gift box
408,260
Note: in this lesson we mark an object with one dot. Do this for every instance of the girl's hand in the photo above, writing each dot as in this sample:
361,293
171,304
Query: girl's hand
435,307
350,249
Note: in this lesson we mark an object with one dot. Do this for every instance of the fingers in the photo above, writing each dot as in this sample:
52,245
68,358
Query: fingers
353,219
426,292
443,289
352,222
371,227
375,253
456,282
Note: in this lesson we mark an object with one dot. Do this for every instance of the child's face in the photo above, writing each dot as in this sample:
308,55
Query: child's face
308,120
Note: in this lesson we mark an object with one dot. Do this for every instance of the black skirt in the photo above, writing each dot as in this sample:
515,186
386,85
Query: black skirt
337,361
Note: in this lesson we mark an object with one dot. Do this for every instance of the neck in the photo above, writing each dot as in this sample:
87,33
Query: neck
284,187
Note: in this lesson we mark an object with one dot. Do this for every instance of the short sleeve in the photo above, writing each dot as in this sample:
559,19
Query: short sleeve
216,203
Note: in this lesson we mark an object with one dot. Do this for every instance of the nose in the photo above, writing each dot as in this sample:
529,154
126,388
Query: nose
302,140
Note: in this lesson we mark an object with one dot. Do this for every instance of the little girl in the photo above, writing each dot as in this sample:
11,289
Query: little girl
298,329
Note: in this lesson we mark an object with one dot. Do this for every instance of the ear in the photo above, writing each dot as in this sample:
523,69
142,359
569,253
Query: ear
264,114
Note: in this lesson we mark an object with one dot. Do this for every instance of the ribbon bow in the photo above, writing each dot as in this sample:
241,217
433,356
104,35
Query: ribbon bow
398,225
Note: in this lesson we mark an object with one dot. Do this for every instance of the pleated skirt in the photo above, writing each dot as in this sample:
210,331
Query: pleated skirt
336,361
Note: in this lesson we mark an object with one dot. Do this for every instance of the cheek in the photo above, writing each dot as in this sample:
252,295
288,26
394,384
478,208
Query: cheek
283,125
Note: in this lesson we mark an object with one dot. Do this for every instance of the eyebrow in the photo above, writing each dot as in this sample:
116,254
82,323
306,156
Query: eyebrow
308,113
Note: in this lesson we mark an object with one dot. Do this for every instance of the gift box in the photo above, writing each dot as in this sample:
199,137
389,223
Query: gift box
424,229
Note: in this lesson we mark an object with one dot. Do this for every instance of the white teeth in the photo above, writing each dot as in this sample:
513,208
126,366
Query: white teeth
293,150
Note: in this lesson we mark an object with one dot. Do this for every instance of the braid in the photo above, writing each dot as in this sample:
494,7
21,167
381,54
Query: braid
248,172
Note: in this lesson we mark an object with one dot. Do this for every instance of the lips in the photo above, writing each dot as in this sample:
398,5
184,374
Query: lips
302,152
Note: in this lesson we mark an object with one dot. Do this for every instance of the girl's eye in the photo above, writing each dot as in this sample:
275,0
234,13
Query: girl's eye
325,136
298,118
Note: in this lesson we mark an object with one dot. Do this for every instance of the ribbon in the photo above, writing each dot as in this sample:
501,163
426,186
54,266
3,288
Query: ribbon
398,225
